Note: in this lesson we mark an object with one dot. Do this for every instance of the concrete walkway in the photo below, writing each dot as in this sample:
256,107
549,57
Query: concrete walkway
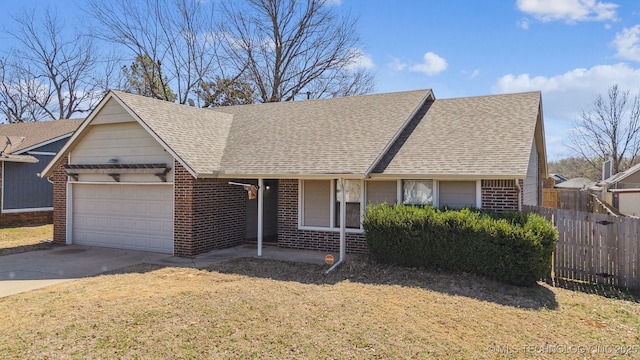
36,269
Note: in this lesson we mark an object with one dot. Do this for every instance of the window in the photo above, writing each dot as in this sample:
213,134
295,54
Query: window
320,203
316,203
352,199
417,192
379,192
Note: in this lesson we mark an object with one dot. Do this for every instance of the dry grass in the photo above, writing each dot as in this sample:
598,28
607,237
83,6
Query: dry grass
28,238
261,309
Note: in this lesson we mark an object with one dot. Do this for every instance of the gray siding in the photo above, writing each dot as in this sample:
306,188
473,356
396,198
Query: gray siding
530,188
53,147
23,189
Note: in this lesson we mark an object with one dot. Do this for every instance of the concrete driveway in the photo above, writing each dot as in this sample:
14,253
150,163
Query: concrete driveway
37,269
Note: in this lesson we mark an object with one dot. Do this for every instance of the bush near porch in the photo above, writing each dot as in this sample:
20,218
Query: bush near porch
511,247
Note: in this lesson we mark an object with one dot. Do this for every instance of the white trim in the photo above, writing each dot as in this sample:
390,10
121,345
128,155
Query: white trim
69,215
479,194
363,201
260,214
445,177
331,229
44,153
435,193
47,142
119,183
399,192
332,207
24,210
2,190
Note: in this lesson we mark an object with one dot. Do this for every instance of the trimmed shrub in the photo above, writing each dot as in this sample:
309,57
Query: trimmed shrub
511,247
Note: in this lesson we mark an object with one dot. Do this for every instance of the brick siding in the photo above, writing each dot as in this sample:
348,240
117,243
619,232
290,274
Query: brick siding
209,214
289,236
60,179
500,195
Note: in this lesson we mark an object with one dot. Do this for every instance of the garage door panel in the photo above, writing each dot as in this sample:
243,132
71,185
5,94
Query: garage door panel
136,217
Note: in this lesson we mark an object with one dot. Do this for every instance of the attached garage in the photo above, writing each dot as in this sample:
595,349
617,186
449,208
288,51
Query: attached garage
124,216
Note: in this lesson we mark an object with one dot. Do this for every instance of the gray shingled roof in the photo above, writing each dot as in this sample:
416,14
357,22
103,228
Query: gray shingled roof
36,132
327,136
197,136
487,135
468,136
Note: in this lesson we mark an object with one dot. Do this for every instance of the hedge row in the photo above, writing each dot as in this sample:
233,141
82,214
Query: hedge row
512,247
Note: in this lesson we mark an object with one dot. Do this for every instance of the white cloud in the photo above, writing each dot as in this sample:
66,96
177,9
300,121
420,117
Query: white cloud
396,64
333,2
524,23
474,73
569,11
627,43
566,95
432,65
360,60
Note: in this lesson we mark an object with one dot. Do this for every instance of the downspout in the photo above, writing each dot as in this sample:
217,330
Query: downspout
343,228
519,195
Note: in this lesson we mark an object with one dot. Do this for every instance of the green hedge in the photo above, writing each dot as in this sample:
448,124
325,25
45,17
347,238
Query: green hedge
511,247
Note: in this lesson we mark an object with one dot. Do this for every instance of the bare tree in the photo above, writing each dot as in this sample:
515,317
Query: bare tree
177,37
16,93
610,128
287,47
56,73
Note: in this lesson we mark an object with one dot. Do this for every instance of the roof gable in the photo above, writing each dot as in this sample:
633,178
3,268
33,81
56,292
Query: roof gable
316,137
474,136
616,178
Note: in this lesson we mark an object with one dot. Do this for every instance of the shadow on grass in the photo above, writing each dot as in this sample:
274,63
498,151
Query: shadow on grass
608,291
26,248
362,270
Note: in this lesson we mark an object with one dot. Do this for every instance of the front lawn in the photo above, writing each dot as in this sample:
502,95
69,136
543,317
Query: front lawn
262,309
28,238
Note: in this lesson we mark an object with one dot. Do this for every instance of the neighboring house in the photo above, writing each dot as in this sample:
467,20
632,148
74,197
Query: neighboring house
577,184
28,148
151,175
558,178
622,191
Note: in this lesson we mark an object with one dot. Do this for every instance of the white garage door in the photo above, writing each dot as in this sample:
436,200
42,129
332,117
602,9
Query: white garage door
136,217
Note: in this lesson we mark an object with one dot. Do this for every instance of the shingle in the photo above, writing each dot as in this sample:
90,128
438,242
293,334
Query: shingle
469,136
326,136
36,132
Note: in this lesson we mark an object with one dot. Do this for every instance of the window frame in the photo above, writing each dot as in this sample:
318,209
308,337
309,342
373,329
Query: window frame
332,207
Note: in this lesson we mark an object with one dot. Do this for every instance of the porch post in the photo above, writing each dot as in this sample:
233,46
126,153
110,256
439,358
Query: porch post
260,213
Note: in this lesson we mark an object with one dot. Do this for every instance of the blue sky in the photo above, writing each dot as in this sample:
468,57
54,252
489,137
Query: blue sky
571,50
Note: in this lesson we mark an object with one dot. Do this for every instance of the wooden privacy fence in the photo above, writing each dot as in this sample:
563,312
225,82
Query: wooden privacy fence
567,199
595,248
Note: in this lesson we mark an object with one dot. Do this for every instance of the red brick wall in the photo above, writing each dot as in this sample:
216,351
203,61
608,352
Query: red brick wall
289,236
60,179
499,195
209,214
23,218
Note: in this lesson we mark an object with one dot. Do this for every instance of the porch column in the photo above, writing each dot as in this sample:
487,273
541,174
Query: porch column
260,213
